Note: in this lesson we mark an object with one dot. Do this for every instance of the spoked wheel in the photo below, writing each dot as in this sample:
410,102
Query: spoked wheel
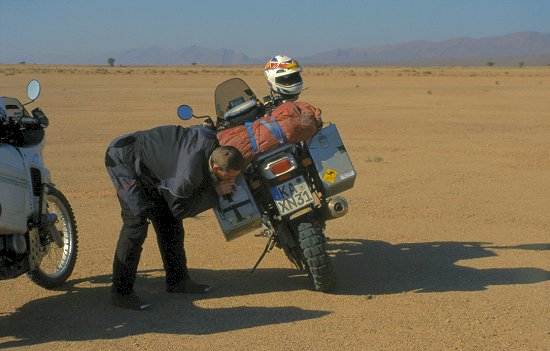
58,262
317,261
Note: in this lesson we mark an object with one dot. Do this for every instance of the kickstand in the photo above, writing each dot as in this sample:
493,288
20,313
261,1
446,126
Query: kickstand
268,247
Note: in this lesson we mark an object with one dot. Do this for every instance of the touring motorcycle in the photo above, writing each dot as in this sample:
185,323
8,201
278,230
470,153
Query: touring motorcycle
288,191
38,233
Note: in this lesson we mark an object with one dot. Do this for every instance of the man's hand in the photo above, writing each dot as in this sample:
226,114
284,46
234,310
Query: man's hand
225,187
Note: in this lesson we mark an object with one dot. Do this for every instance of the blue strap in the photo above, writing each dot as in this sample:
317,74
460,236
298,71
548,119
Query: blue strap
282,133
251,135
274,129
270,128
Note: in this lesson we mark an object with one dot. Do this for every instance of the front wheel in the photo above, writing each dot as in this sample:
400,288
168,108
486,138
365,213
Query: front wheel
58,262
316,259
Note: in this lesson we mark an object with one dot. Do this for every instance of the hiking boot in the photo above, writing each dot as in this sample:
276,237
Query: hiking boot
187,286
130,301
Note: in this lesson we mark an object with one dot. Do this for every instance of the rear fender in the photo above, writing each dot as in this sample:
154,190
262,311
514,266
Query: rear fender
289,243
265,161
286,236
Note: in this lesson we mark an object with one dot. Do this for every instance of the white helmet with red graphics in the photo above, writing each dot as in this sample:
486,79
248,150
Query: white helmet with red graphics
283,75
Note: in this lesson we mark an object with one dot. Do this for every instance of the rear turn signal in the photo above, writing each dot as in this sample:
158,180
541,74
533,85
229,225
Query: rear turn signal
281,166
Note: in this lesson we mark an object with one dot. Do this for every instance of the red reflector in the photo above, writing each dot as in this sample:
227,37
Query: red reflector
280,167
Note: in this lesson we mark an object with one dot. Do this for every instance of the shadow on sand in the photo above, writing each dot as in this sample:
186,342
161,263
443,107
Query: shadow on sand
378,267
82,311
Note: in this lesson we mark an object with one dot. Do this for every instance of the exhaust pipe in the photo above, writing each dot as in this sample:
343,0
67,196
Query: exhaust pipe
336,207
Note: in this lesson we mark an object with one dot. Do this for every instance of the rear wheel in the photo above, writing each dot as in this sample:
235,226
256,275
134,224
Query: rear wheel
58,263
316,259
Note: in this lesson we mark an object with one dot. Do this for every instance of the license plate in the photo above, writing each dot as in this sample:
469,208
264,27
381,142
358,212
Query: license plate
292,195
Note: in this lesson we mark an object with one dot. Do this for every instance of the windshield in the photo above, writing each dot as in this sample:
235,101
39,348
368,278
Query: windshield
231,93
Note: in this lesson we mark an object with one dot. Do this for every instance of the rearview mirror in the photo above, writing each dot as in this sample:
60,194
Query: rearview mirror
33,89
185,112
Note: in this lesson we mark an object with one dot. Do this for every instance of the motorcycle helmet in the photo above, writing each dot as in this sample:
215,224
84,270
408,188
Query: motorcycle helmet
283,75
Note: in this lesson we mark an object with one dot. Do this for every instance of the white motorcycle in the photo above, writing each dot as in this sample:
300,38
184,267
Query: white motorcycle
38,234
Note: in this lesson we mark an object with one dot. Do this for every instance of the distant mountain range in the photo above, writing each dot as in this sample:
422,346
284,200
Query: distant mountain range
528,45
531,48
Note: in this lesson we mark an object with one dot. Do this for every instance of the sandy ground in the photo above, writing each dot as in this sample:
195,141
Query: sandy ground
446,246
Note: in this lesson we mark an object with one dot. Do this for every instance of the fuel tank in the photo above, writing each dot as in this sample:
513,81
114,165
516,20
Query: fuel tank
14,187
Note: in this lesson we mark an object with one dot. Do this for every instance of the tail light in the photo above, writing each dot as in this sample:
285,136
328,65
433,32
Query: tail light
278,164
281,166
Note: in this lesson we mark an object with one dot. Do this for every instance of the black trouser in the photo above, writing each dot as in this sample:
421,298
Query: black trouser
136,194
170,236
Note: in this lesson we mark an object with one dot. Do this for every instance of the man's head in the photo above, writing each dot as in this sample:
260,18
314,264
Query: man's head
226,162
283,76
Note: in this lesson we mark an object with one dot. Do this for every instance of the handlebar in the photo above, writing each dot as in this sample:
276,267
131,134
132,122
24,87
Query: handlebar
39,115
28,120
38,119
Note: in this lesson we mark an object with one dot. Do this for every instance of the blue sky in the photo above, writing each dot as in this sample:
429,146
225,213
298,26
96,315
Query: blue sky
257,28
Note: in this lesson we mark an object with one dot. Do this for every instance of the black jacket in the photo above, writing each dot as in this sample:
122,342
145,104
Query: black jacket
175,160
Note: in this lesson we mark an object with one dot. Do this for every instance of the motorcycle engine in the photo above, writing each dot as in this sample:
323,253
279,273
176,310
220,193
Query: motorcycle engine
14,244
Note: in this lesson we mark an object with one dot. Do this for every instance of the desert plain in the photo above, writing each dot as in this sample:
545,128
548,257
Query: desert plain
446,245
